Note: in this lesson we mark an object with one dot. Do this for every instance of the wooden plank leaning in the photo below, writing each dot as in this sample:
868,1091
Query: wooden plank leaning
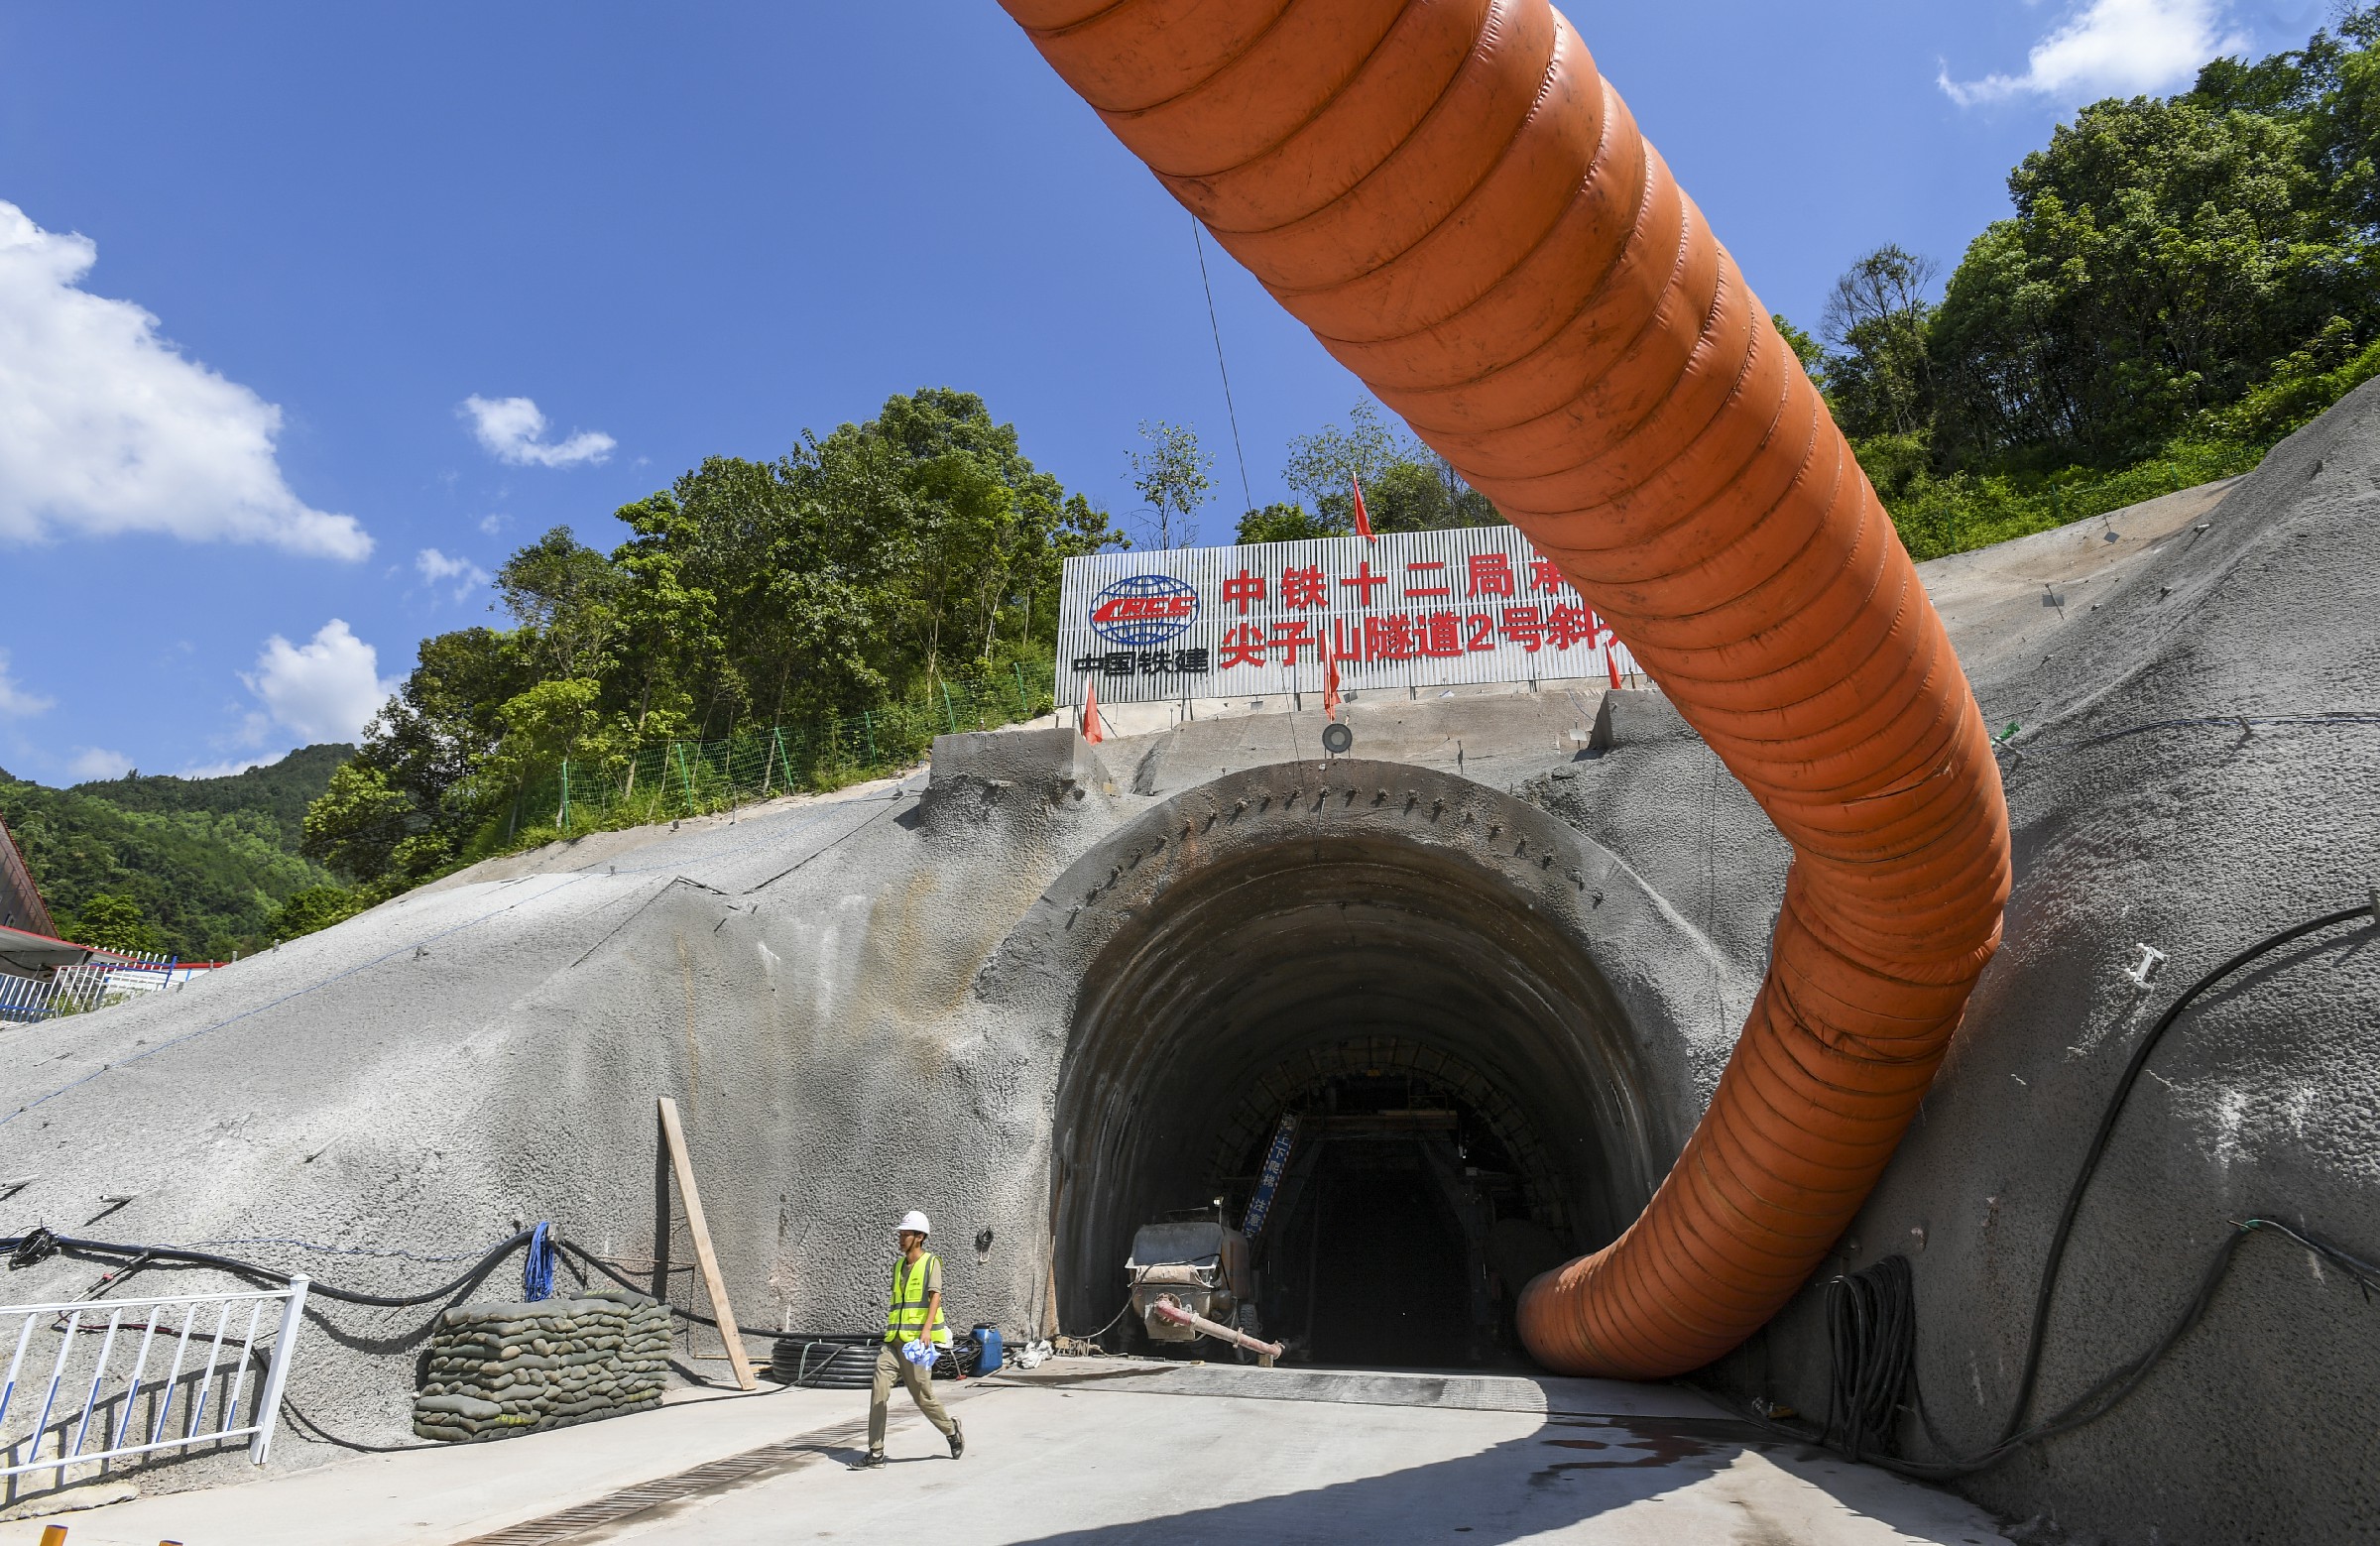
713,1286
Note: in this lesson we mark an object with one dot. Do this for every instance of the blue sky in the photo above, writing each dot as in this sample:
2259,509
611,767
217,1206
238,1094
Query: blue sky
310,314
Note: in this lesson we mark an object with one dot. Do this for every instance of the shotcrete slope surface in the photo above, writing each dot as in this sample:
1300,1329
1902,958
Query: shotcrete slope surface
2137,821
822,986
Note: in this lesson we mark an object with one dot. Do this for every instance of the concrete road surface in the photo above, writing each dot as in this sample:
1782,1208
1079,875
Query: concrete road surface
1101,1454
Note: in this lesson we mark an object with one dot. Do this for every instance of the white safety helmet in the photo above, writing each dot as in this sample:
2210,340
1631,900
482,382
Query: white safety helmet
913,1223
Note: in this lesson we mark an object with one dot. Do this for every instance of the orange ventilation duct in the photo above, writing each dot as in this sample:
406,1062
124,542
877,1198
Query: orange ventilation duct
1465,213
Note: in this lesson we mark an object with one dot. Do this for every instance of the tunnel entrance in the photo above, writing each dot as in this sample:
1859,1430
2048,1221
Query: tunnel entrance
1408,1209
1453,1091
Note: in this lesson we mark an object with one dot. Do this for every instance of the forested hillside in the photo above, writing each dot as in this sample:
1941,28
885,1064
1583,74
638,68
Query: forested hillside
197,868
2182,281
859,569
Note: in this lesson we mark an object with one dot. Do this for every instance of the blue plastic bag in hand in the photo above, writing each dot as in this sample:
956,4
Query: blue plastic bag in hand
921,1351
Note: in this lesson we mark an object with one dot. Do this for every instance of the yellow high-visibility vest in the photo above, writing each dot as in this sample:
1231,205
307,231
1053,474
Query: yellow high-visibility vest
905,1320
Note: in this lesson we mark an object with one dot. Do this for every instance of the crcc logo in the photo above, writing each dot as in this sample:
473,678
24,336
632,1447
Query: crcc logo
1144,611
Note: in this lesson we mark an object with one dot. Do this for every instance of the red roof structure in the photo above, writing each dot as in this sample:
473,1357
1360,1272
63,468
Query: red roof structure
21,905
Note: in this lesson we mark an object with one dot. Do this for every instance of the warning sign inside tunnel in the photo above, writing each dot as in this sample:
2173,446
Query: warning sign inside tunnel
1413,609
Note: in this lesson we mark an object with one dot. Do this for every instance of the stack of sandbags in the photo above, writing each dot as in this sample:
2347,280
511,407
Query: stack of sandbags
501,1368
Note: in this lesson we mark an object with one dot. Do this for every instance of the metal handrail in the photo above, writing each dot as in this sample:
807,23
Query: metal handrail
73,1319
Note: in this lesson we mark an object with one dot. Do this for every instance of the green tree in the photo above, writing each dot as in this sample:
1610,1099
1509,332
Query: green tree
1806,350
314,908
1286,522
563,596
858,568
107,923
1171,474
2163,257
354,828
206,859
1878,377
1407,487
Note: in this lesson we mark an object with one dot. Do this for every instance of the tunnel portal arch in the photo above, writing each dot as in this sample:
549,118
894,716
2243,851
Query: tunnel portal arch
1265,938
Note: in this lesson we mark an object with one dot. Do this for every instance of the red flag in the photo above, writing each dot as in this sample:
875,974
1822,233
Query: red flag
1363,517
1330,683
1091,730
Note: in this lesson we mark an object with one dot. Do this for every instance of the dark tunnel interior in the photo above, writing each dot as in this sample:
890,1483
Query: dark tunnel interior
1463,1097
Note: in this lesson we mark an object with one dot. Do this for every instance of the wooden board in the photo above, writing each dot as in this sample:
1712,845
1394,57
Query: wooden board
675,1137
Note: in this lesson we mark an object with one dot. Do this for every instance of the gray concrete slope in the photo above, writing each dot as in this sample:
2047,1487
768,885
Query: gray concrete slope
868,1001
2138,822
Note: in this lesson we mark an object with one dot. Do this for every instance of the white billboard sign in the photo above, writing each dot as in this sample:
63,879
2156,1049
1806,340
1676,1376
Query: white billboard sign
1411,609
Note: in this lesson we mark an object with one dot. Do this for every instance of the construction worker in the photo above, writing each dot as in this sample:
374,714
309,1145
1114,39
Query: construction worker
913,1335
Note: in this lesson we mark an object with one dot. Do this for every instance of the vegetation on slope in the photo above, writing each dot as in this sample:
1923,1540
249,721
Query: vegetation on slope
2185,280
197,868
2182,281
867,568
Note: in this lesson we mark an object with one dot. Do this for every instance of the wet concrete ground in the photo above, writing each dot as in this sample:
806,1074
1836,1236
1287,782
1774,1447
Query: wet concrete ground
1101,1452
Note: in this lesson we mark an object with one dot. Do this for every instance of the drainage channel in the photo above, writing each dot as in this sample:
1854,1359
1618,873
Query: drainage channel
770,1460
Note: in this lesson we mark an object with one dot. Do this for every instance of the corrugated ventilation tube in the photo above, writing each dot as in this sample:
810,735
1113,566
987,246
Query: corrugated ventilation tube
1449,194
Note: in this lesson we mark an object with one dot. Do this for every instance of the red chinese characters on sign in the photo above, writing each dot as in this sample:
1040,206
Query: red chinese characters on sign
1384,638
1568,626
1290,638
1365,582
1432,571
1243,646
1491,575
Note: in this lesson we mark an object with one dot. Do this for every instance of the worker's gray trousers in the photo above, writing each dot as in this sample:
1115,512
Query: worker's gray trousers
919,1378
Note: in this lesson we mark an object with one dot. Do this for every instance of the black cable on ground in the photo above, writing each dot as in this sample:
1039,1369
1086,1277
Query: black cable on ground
175,1256
307,1428
2115,1108
2112,1388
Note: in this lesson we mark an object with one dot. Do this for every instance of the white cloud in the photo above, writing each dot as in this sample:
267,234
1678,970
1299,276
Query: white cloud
492,523
16,700
436,569
2112,48
327,689
510,430
106,428
93,761
224,770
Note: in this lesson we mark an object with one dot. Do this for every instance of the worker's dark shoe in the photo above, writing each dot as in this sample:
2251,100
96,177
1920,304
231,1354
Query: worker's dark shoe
958,1440
873,1462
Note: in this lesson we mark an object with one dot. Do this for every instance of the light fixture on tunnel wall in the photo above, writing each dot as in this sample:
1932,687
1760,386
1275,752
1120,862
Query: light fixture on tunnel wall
1337,739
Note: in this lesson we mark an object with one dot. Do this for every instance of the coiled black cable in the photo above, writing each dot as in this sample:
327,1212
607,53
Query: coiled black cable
1871,1314
1871,1337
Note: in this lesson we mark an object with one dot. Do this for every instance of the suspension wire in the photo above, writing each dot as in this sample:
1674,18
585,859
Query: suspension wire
1198,239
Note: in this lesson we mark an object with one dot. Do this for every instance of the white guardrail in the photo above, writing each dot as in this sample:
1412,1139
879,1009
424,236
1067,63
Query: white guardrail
93,1410
96,983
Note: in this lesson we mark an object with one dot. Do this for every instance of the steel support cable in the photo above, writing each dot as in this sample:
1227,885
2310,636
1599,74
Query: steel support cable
1198,239
1464,213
